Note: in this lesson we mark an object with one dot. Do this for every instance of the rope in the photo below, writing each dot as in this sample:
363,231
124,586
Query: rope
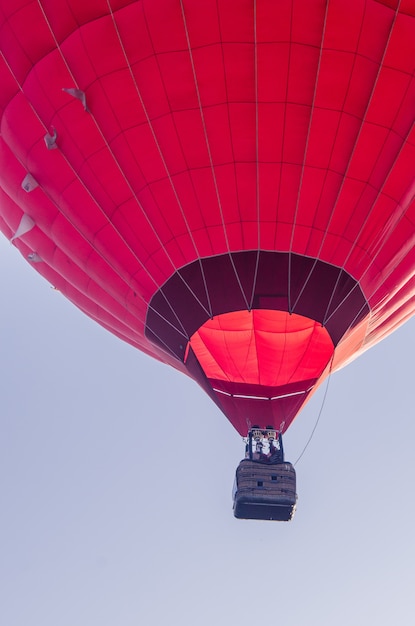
319,414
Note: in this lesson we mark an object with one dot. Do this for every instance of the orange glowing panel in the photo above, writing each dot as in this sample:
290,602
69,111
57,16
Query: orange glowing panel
263,347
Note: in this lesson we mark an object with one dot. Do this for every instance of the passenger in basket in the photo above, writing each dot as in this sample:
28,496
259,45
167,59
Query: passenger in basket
258,455
275,454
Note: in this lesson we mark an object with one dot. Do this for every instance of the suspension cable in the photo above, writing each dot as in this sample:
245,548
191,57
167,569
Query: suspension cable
319,413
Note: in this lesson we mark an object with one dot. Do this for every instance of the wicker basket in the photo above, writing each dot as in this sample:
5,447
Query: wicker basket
265,491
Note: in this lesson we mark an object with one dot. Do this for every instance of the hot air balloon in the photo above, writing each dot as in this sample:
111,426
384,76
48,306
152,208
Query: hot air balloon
226,185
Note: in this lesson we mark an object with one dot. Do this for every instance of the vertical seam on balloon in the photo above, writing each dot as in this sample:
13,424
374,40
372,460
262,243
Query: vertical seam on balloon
379,191
356,317
253,339
257,194
283,128
129,332
229,351
248,344
309,342
150,125
327,170
187,169
209,312
348,166
385,276
93,247
297,204
110,150
255,334
114,323
282,350
203,340
84,294
353,151
134,195
229,124
127,182
338,125
325,178
386,238
210,153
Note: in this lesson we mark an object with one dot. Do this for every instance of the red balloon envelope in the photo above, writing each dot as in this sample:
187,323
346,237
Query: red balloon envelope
227,185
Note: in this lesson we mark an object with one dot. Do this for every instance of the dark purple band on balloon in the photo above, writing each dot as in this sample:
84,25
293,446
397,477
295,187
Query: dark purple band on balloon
252,280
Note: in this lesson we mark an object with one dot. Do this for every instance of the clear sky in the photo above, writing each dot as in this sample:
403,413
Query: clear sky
116,476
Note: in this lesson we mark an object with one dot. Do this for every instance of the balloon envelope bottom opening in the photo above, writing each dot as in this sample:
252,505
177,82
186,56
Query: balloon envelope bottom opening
264,347
261,365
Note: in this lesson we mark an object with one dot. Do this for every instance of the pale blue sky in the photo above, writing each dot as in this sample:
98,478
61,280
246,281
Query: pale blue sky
116,475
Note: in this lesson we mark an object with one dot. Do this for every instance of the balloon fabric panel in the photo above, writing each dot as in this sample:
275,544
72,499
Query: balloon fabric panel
215,159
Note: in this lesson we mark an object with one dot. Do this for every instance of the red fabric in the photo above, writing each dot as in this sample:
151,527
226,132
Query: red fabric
211,127
268,348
